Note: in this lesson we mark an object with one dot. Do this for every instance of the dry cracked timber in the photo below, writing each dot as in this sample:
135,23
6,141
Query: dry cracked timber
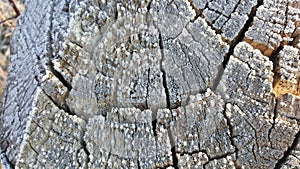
153,84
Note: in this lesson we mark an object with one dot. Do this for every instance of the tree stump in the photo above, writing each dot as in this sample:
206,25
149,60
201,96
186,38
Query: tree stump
153,84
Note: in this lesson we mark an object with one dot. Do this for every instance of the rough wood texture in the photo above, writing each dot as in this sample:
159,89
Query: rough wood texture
153,84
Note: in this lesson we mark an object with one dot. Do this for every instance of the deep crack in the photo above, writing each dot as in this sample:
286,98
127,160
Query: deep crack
64,107
51,51
173,149
154,113
233,43
154,123
138,161
59,76
164,72
165,85
288,152
242,33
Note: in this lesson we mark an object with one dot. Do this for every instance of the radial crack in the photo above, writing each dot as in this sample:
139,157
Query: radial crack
173,149
233,44
164,72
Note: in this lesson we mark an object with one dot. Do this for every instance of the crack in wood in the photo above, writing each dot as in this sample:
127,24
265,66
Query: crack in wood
231,128
59,76
165,85
197,11
64,107
85,149
173,149
50,51
138,160
164,81
288,152
164,72
275,114
5,162
217,158
240,37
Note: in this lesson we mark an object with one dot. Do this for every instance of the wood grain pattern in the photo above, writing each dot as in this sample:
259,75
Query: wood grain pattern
153,84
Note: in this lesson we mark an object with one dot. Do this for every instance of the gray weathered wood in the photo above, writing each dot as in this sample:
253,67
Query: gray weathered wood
153,84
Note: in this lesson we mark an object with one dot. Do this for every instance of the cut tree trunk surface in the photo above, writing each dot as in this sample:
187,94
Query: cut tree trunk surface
153,84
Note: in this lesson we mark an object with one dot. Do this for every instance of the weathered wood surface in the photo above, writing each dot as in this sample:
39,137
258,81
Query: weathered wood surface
153,84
